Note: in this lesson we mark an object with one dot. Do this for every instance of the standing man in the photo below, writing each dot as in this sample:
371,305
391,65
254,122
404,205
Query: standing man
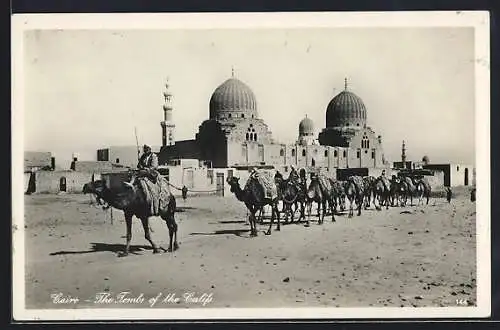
448,194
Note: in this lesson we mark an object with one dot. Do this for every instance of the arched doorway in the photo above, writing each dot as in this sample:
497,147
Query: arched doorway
466,177
313,162
62,184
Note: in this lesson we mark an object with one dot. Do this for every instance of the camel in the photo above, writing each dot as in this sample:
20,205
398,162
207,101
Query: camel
294,197
398,192
381,193
423,190
293,193
253,195
133,202
410,187
353,188
368,182
320,191
339,191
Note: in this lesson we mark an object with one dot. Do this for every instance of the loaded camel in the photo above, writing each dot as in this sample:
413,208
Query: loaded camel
320,191
133,202
254,197
353,189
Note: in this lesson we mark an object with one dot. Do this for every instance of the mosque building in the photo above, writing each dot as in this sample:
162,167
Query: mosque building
234,136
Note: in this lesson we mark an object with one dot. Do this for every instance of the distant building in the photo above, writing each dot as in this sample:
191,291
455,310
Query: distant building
35,160
455,174
126,156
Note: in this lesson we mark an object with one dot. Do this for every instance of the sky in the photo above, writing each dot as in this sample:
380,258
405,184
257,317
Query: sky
88,89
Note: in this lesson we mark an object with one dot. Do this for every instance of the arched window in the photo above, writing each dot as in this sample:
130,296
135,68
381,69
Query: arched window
326,153
345,153
247,137
358,154
255,136
335,153
229,115
303,152
282,153
293,152
242,115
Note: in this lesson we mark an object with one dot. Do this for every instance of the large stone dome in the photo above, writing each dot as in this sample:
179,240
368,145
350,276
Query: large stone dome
346,109
233,99
306,126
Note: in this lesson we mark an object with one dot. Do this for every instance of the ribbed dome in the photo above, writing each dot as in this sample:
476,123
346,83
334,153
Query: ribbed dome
306,126
346,109
233,99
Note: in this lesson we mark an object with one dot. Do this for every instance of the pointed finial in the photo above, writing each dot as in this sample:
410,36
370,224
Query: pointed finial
345,83
232,71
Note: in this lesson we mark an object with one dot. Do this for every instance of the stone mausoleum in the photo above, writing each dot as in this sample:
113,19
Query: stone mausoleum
234,136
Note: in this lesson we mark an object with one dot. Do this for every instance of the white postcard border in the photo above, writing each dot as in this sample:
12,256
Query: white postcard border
479,20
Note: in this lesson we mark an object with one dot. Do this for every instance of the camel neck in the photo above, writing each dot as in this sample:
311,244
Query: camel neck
239,193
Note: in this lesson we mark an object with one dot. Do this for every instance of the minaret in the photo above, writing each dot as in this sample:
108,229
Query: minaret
167,124
403,155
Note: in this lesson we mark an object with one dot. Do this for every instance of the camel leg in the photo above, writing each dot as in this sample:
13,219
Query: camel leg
253,224
333,208
172,230
278,218
147,234
128,222
268,232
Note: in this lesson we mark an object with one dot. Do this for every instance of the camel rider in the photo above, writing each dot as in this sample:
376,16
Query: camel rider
147,166
278,177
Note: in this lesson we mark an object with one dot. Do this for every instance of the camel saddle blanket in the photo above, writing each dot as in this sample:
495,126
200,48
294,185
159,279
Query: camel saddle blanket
267,182
386,183
325,184
338,187
157,194
426,184
358,183
409,184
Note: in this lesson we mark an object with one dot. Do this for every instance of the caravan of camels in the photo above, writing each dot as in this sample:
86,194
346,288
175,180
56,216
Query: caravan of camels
294,193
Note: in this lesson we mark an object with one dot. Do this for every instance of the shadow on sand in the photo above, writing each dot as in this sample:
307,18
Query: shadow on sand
104,247
237,232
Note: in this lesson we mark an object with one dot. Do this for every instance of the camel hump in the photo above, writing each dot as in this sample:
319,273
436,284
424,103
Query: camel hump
357,181
157,194
266,181
324,183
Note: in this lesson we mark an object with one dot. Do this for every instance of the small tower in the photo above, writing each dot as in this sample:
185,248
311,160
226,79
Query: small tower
167,125
403,155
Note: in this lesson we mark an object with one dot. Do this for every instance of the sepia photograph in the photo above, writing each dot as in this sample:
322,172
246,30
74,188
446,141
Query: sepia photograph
263,166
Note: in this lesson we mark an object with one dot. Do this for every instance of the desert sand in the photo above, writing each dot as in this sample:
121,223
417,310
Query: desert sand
411,256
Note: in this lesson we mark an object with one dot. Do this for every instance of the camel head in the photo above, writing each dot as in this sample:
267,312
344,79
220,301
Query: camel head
94,187
234,183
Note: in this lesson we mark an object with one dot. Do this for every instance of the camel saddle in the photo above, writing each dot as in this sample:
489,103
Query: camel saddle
386,182
157,194
267,182
324,183
358,183
426,184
